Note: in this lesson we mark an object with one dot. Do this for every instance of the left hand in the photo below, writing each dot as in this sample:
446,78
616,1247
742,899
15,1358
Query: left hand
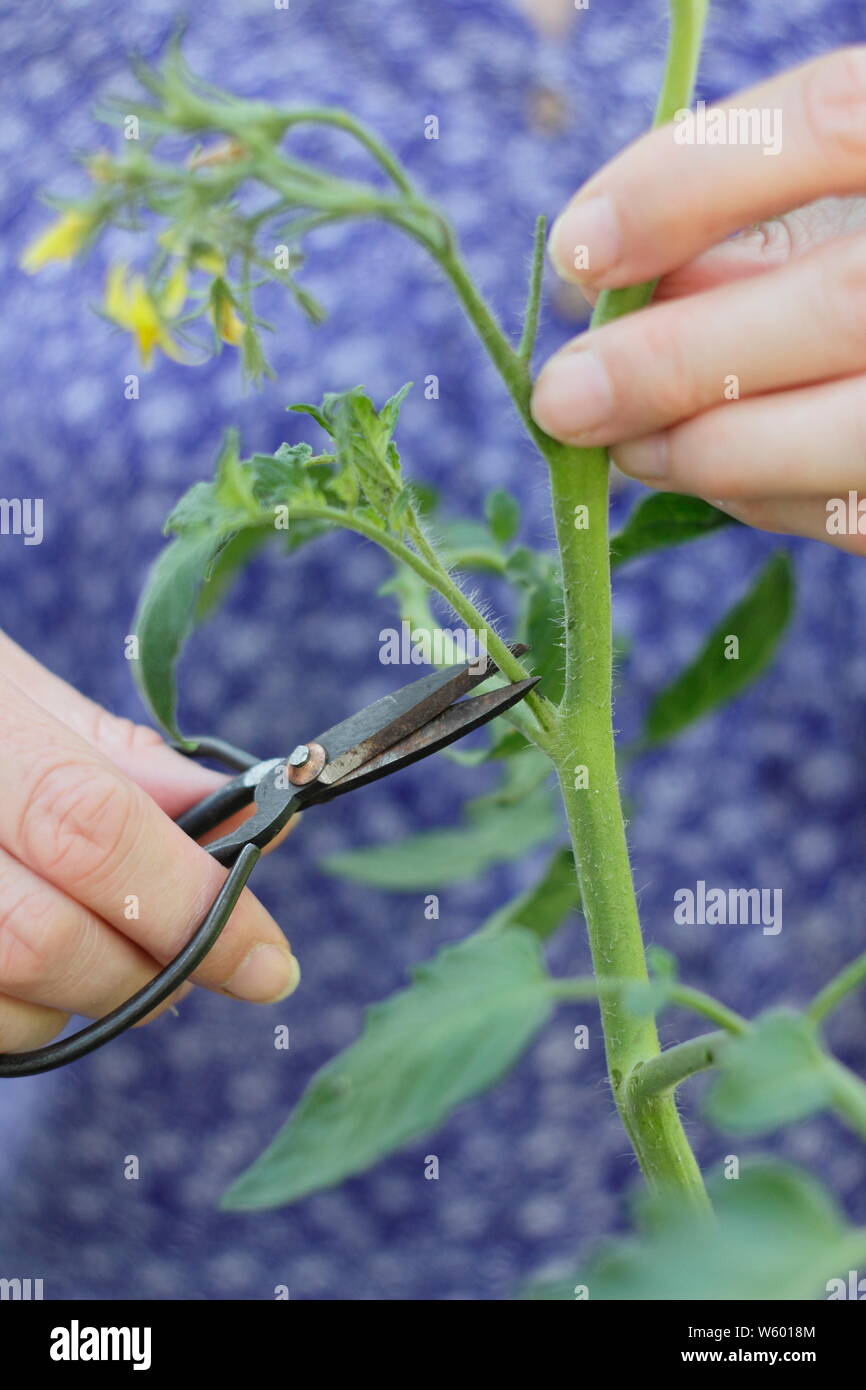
746,383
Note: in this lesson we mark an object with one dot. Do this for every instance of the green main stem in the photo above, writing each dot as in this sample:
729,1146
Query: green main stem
583,737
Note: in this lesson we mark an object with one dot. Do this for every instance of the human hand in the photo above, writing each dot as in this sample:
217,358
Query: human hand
745,383
98,888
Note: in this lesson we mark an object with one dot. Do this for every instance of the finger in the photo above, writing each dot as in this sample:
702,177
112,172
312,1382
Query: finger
758,248
72,817
804,516
25,1026
174,782
807,442
804,323
661,202
765,246
55,953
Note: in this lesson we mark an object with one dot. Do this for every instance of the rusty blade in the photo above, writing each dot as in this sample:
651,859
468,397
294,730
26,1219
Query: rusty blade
443,729
398,716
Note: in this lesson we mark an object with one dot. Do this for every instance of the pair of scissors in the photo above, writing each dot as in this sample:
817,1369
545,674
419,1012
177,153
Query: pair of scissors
397,730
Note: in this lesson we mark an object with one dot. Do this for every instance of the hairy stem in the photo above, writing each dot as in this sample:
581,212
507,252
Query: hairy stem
585,756
533,299
435,574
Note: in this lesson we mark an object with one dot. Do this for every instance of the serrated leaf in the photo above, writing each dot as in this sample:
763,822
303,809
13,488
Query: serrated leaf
776,1073
663,519
217,525
758,622
777,1235
503,515
390,412
165,618
233,485
494,834
468,1014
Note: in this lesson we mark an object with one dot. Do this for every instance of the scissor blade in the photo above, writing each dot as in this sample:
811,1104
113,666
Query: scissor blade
443,729
399,715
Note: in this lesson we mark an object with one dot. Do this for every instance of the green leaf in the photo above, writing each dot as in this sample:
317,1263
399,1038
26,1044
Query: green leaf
490,834
467,545
543,908
776,1073
165,618
777,1235
217,526
238,550
363,442
316,413
662,519
399,510
757,622
466,1017
503,515
390,412
507,743
541,621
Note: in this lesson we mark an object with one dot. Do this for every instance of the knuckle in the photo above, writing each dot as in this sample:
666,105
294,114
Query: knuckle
28,938
117,734
834,96
74,821
703,457
842,291
673,383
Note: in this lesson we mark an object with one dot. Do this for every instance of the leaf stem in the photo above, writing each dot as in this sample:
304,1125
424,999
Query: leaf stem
533,300
435,574
334,116
833,993
676,1064
589,986
848,1096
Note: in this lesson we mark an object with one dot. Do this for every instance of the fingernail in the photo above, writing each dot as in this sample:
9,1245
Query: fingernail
573,395
266,975
585,240
645,459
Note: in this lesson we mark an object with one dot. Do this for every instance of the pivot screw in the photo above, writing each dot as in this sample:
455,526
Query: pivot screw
305,763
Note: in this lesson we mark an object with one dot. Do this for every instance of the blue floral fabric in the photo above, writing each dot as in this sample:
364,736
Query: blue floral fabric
769,793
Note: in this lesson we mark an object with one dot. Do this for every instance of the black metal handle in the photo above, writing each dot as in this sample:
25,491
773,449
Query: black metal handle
57,1054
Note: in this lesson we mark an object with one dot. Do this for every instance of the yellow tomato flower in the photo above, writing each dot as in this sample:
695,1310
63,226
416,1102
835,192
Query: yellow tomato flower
59,242
129,303
226,322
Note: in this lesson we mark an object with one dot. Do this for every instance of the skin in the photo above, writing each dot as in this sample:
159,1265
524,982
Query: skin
86,807
747,290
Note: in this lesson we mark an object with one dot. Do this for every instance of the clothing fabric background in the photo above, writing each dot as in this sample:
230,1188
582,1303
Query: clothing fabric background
769,793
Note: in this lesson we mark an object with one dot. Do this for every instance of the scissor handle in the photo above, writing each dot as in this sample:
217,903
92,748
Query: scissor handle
134,1009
